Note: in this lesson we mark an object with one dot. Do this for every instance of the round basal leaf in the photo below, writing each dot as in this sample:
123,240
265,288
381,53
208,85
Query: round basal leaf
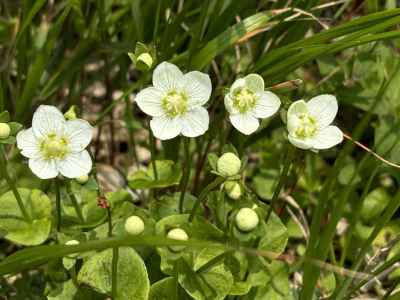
17,229
164,289
213,283
168,174
276,236
133,282
169,205
68,291
205,255
374,204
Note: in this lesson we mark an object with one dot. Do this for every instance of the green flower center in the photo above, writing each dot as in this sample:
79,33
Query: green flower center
175,103
54,147
307,127
244,99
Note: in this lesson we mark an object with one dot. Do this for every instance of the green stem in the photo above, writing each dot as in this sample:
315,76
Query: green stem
282,179
58,204
114,271
153,153
11,184
74,202
203,195
186,174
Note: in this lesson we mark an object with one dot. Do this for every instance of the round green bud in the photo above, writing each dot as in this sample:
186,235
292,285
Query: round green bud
134,225
233,189
82,179
228,164
146,59
4,130
70,114
72,243
177,234
246,219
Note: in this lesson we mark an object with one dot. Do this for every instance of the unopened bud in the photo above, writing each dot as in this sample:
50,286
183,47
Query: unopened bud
233,189
177,234
134,225
228,164
146,59
70,114
246,219
4,130
82,179
72,243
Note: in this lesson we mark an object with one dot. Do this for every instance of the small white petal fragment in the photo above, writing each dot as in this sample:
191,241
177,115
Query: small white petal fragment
149,101
245,123
247,102
165,128
75,164
324,108
195,122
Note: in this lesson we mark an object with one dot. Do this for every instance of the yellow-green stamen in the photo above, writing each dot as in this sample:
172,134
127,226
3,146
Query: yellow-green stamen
175,103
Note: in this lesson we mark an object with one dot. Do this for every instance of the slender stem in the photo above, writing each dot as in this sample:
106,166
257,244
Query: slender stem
74,202
186,174
153,153
114,273
58,204
282,179
203,195
11,184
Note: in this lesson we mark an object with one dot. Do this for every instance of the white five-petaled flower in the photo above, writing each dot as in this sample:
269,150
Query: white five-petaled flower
247,101
309,122
54,145
175,101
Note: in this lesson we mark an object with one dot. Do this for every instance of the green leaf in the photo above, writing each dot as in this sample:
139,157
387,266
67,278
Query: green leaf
164,289
15,127
214,283
212,160
68,291
169,205
10,140
374,204
4,117
275,238
133,282
168,172
17,229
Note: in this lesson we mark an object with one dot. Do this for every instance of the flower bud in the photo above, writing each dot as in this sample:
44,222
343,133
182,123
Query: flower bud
72,243
177,234
70,114
4,130
145,58
246,219
134,225
82,179
228,164
233,189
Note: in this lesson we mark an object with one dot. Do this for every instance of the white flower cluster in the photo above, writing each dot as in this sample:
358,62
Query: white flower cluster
175,103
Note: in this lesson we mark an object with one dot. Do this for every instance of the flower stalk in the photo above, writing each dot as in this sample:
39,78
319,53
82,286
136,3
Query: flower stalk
186,174
58,204
74,202
11,184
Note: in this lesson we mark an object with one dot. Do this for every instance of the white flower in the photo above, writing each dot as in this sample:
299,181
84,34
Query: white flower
309,122
175,101
54,145
247,102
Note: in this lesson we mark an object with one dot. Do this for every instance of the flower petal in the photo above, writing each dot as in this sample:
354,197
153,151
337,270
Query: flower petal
165,128
268,103
300,143
327,138
324,108
198,86
229,105
297,107
47,119
255,83
245,123
149,101
78,133
28,144
195,122
44,169
237,84
167,76
75,164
